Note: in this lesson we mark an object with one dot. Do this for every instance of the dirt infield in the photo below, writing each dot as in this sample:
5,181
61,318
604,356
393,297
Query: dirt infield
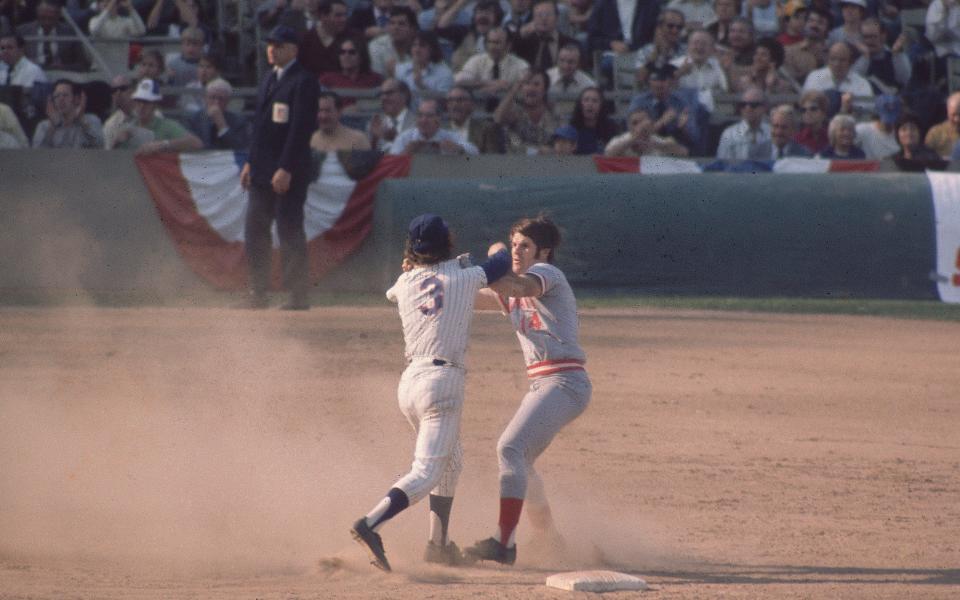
204,453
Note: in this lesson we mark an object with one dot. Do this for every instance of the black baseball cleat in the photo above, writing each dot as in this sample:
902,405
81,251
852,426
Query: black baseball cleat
444,555
491,549
371,540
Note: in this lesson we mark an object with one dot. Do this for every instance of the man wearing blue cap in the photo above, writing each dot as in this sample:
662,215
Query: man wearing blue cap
435,296
277,171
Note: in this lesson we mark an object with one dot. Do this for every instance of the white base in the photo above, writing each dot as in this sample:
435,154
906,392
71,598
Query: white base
596,581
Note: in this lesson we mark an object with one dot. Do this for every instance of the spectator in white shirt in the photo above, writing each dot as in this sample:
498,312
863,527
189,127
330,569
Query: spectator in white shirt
428,138
739,141
117,20
943,27
15,68
566,78
853,12
495,70
878,138
700,69
837,75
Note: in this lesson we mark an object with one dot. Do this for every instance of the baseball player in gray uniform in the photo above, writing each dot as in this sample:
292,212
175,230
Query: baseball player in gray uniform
543,310
435,296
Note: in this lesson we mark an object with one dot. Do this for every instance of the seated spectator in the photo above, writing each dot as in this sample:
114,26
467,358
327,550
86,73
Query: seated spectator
122,97
168,18
853,12
803,57
181,67
783,126
640,139
495,70
117,20
566,78
483,133
151,66
321,44
696,13
764,16
878,137
50,51
528,120
887,69
737,59
425,72
914,156
393,48
838,76
208,70
700,70
943,137
667,44
591,118
726,11
540,44
487,15
332,135
564,140
68,125
674,116
218,127
15,67
148,132
615,32
795,18
738,141
12,136
943,28
371,18
814,116
519,19
842,132
578,20
764,73
395,116
354,72
428,138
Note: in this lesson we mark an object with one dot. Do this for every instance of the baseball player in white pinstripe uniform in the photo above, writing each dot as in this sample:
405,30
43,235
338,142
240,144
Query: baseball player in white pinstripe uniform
543,310
435,296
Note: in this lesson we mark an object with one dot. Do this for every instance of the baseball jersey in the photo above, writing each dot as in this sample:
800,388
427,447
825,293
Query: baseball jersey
548,325
436,309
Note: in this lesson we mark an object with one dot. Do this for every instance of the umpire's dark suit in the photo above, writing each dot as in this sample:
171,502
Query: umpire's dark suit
284,121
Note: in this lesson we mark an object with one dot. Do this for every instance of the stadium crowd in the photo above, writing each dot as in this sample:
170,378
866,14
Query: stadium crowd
726,79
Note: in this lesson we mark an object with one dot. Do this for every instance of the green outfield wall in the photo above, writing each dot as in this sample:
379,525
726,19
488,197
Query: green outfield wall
82,222
741,235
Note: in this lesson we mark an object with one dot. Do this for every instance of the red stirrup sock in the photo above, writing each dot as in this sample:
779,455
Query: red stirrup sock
509,517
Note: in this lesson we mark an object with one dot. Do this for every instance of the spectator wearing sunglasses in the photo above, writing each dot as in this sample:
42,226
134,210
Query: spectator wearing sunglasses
354,72
739,141
122,99
813,121
667,44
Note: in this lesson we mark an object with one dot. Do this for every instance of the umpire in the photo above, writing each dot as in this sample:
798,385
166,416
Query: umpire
277,171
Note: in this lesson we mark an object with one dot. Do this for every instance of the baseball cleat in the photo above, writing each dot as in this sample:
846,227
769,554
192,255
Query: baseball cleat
371,540
491,549
444,555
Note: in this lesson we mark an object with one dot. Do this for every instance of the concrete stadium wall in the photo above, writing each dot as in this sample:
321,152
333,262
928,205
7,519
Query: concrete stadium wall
82,223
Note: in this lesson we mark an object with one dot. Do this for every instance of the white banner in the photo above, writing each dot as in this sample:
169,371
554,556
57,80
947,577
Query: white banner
946,210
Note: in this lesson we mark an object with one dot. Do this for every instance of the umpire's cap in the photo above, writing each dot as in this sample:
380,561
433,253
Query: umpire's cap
282,34
428,233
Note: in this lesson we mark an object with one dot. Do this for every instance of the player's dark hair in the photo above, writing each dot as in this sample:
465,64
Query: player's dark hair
543,232
434,256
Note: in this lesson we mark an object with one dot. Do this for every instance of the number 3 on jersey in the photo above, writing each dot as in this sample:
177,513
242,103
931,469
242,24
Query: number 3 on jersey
434,289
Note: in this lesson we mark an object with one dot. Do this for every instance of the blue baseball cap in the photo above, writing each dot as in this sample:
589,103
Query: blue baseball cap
282,34
887,107
428,232
566,132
